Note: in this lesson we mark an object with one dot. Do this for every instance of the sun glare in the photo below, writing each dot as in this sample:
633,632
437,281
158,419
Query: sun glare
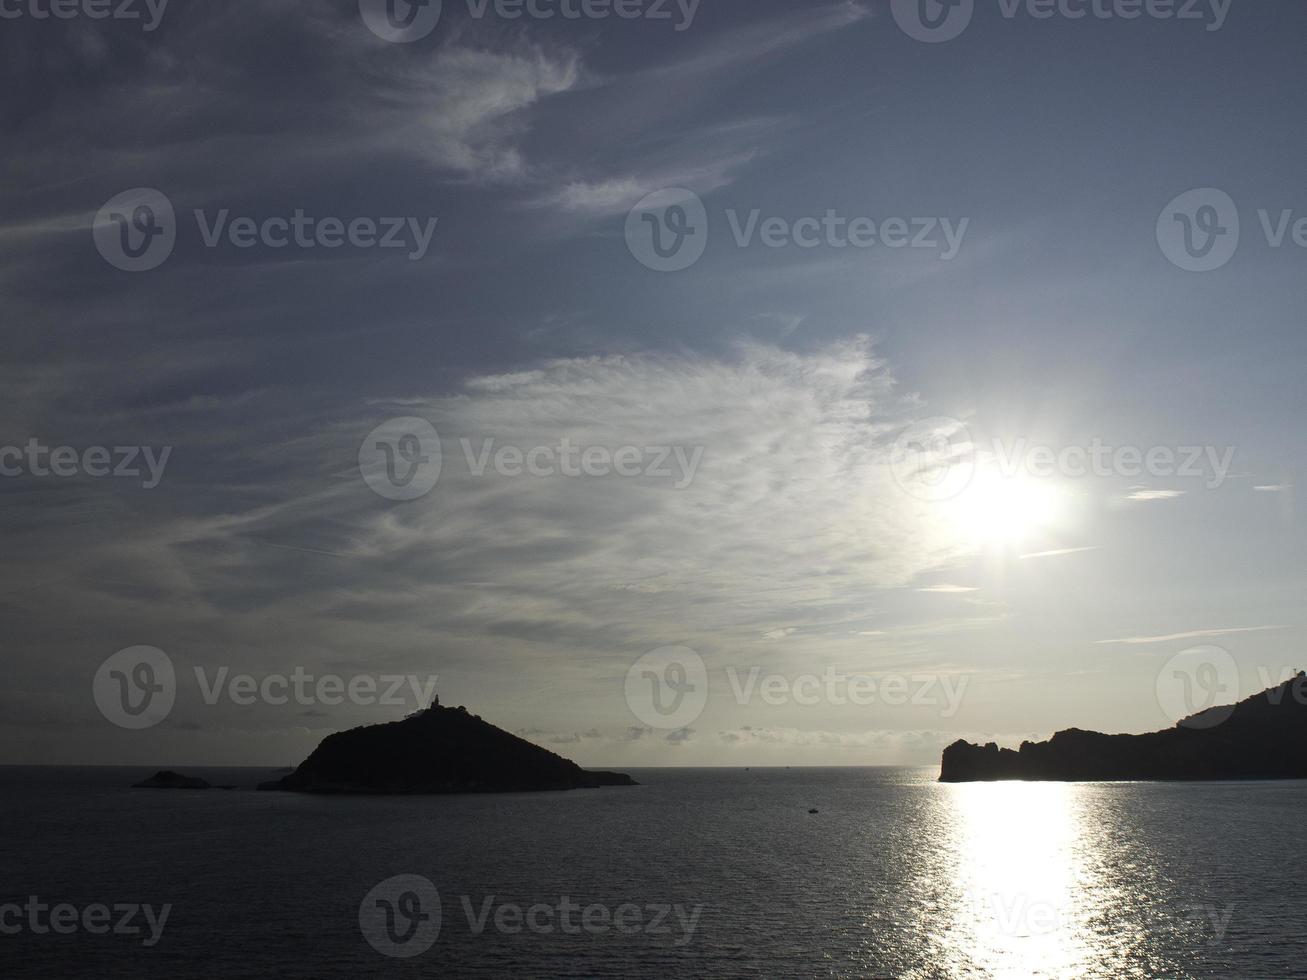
999,510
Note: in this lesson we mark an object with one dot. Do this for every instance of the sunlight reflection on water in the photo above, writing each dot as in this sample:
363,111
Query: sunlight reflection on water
1039,887
1020,878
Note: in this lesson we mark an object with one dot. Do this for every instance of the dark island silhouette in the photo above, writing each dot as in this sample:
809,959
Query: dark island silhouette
1261,737
439,750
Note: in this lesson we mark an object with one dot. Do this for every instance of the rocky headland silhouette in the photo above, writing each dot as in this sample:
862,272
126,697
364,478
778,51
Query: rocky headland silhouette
1261,737
439,750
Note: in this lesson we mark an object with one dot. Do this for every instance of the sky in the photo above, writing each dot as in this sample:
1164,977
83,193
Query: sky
736,383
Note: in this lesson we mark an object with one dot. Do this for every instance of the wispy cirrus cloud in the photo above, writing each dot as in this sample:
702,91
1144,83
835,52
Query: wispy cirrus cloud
1059,552
1146,495
704,171
278,545
198,97
750,44
1191,635
701,157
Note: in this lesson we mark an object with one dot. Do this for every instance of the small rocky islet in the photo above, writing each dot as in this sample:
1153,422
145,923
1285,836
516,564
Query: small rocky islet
438,750
435,751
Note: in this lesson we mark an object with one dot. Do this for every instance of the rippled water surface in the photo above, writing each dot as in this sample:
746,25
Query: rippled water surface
896,876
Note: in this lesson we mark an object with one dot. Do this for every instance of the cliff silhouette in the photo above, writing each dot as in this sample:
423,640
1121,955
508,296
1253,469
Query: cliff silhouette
1261,737
439,750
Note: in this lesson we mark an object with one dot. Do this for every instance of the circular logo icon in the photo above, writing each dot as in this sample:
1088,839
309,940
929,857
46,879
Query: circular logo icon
1199,230
933,21
135,688
1198,687
136,230
667,688
400,21
400,918
934,460
401,459
668,230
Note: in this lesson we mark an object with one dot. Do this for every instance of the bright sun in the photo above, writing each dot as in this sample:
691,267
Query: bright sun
1003,510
